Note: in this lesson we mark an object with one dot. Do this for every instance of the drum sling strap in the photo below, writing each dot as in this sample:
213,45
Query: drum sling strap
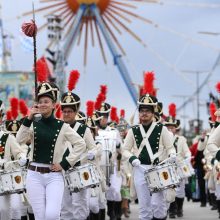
175,143
3,140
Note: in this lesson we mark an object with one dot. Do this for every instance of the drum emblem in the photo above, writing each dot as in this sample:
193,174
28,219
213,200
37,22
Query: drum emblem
17,179
165,175
185,169
85,175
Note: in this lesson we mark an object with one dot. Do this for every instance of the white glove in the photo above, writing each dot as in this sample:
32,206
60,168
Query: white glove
172,158
22,161
90,156
136,163
2,161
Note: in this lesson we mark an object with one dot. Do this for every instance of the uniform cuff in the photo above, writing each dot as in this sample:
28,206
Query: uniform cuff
65,164
132,158
218,156
118,146
27,122
212,161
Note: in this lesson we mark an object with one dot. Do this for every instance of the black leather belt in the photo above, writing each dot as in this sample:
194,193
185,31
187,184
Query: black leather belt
40,169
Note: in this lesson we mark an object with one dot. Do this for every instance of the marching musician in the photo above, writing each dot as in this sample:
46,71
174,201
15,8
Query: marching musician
76,205
123,127
213,149
45,182
183,153
113,194
9,149
97,201
143,146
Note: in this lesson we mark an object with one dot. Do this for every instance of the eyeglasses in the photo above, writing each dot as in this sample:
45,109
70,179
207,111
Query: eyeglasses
68,112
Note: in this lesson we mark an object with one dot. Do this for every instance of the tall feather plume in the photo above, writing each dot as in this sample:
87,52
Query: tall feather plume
8,115
217,86
14,107
101,97
212,110
23,107
90,108
41,69
103,90
172,110
73,79
148,87
58,112
113,114
141,90
122,113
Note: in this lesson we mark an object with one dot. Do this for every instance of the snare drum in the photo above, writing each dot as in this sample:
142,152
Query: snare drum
12,181
82,177
185,169
161,177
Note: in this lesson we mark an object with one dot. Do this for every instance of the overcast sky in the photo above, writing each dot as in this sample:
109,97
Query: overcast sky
167,52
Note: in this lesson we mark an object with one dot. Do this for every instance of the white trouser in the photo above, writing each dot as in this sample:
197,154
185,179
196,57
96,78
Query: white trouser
45,193
113,193
5,207
75,206
16,205
217,191
102,199
94,200
11,207
180,190
149,206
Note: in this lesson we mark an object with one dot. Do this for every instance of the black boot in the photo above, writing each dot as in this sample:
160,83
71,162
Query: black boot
93,216
111,210
172,210
154,218
214,203
23,217
31,216
218,205
102,214
118,210
179,203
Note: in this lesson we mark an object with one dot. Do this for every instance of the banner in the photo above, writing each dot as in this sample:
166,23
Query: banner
17,84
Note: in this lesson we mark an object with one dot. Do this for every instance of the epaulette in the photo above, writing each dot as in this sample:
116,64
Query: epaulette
135,126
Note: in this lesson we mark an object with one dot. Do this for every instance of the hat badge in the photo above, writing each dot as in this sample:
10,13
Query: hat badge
146,100
43,88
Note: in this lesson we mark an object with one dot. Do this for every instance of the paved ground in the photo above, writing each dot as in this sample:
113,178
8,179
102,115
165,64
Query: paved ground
192,211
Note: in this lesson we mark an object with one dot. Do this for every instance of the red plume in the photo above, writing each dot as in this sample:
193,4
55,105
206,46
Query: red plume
58,113
113,114
172,110
103,89
122,113
148,83
29,28
73,79
98,101
141,90
90,108
8,115
212,110
41,69
101,97
23,107
14,107
217,86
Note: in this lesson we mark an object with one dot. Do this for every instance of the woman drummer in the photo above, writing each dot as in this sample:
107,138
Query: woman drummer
45,183
9,149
